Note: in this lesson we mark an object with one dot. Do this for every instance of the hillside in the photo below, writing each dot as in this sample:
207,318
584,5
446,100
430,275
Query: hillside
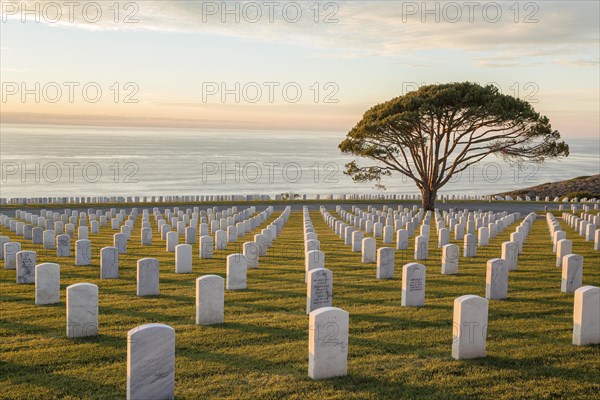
583,186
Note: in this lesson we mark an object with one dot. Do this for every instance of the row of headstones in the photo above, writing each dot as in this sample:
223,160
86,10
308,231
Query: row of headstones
400,220
189,223
110,260
352,231
238,264
497,268
586,226
547,199
413,274
82,298
450,251
585,207
258,247
141,199
69,219
318,279
151,347
108,255
571,264
478,222
243,225
24,261
413,294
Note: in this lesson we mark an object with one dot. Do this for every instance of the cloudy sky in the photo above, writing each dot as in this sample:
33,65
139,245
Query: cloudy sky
288,65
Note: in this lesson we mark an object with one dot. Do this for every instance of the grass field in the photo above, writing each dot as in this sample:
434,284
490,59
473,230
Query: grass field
261,351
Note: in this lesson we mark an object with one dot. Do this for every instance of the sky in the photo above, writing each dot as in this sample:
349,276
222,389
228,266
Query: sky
302,65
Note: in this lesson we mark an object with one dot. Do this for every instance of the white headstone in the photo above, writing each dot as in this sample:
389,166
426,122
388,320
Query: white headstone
3,241
26,261
450,259
483,236
37,235
314,259
319,291
328,343
413,285
151,362
220,240
459,232
261,240
357,238
190,235
183,259
47,283
83,252
572,273
558,235
146,236
586,317
48,237
469,327
206,246
210,300
401,239
251,251
109,263
388,234
509,253
82,310
148,277
470,245
563,247
385,263
120,242
421,247
369,250
443,237
82,232
63,245
172,241
236,272
496,279
232,234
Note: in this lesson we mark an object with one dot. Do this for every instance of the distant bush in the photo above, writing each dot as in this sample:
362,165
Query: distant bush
582,195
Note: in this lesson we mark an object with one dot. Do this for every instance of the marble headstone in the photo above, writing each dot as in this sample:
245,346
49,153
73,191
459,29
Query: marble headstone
210,300
109,263
413,285
151,362
148,277
328,343
586,317
469,327
26,261
82,310
385,263
319,291
47,283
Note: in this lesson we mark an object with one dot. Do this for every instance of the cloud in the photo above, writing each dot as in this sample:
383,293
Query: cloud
368,28
578,63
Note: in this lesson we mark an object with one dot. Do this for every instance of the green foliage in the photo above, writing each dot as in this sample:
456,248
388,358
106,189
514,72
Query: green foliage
582,195
440,130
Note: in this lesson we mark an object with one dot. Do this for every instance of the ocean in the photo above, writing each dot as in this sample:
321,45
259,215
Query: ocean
52,160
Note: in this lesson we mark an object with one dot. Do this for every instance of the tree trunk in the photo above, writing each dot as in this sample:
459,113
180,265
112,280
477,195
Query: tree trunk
428,196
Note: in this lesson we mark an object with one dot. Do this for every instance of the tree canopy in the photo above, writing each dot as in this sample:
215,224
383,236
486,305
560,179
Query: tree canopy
438,131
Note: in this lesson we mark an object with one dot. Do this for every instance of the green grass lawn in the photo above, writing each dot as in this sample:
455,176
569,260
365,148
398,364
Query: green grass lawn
261,351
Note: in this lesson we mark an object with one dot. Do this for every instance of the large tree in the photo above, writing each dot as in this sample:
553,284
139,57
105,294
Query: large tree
438,131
